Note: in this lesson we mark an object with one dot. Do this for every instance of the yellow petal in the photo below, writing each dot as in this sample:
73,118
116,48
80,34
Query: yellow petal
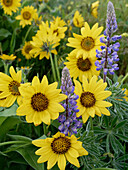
61,162
78,87
35,81
104,111
103,104
102,95
91,111
39,142
73,152
85,117
82,152
72,160
45,117
52,160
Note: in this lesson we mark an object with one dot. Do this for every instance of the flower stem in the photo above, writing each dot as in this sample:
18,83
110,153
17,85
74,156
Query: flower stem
53,67
57,69
6,68
91,123
27,33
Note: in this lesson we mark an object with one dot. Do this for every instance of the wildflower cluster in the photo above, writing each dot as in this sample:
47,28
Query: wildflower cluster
108,54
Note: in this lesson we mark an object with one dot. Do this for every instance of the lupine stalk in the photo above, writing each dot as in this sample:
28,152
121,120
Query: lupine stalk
108,56
69,121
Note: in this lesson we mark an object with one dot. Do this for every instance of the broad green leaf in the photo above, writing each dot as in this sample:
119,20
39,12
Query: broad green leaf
20,138
4,33
8,124
9,112
29,155
2,119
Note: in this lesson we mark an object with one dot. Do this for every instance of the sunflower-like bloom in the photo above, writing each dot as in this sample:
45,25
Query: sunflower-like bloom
58,31
9,87
79,66
126,94
78,20
91,98
7,57
60,22
26,50
59,149
94,8
28,13
44,42
87,43
10,5
41,102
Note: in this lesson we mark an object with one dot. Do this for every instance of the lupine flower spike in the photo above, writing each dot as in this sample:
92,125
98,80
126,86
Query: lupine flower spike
108,54
68,120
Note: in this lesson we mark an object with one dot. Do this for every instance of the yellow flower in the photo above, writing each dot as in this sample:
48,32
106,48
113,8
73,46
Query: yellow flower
94,9
126,94
38,20
44,42
26,50
78,20
41,102
58,31
7,57
10,5
79,66
87,43
59,149
10,87
60,22
28,13
91,96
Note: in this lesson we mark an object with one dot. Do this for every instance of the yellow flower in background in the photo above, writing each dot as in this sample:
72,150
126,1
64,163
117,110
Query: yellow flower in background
10,5
26,50
38,20
41,102
59,148
28,13
91,98
7,57
9,87
87,43
44,42
79,66
58,31
126,94
94,8
60,22
78,20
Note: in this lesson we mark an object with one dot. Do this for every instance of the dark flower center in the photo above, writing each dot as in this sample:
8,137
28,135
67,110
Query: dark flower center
87,43
83,65
60,145
56,31
45,47
14,88
7,2
87,99
39,102
28,48
26,15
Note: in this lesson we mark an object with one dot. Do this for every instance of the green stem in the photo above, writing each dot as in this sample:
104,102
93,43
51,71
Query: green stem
125,77
91,123
10,142
27,33
57,69
6,68
53,67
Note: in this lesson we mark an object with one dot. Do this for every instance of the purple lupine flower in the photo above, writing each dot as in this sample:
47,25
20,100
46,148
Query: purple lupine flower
69,122
108,54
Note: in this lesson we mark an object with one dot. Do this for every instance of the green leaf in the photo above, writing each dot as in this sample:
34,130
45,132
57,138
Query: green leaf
114,121
8,124
122,158
4,33
107,144
2,119
9,112
20,138
119,145
124,138
113,144
103,169
121,124
28,154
